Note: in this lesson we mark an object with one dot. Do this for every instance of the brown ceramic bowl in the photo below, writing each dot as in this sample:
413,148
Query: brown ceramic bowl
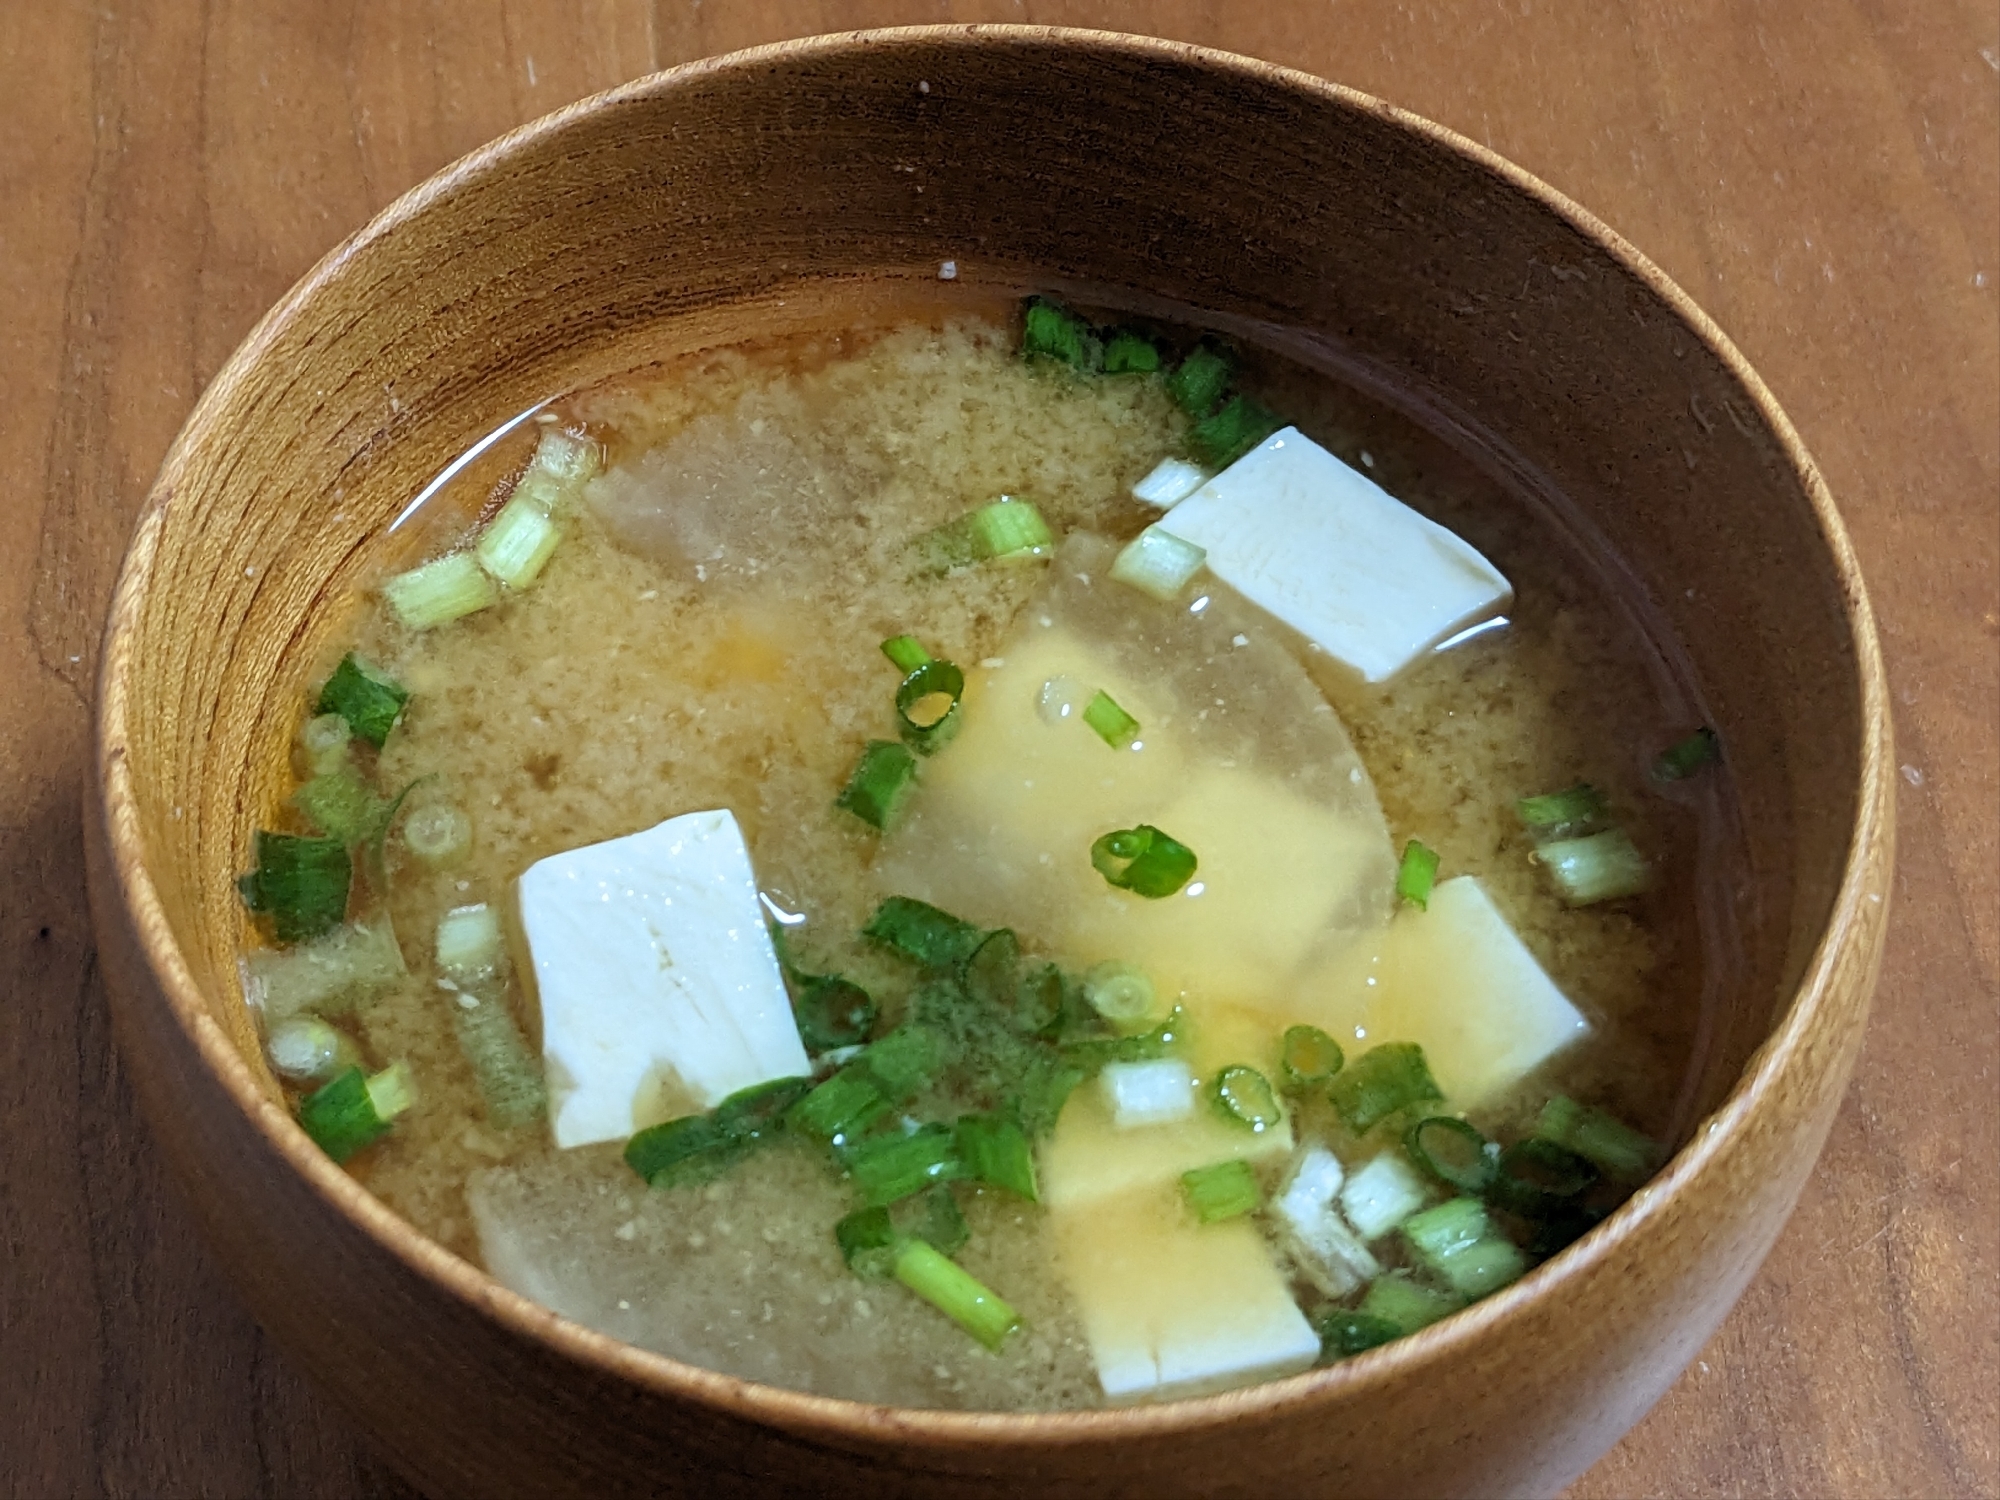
798,182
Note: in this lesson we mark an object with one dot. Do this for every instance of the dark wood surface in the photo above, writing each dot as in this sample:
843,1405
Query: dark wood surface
1822,175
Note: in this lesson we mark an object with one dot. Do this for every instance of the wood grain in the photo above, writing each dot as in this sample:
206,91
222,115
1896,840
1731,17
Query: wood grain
1822,177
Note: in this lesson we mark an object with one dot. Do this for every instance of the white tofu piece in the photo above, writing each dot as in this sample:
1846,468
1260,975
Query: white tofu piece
1310,1225
1147,1093
1335,556
1458,981
1172,1308
1381,1195
1171,481
660,991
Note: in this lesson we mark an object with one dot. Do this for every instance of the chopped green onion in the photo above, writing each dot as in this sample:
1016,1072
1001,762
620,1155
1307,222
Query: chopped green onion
1129,352
1405,1304
883,779
756,1113
868,1243
355,1110
1345,1332
887,1168
1051,331
991,975
437,833
1308,1057
1113,725
1042,1089
903,1061
1605,866
565,457
906,652
1562,815
1121,994
469,945
518,542
1143,860
299,883
1417,874
995,1150
440,591
680,1153
1622,1153
1226,1190
955,1293
916,929
1010,528
927,706
943,1226
1093,1053
1243,423
1041,999
367,702
870,1238
1539,1179
1685,757
1199,381
844,1105
1458,1243
342,806
1381,1081
833,1012
304,1049
1243,1096
509,1075
327,974
1158,564
1452,1151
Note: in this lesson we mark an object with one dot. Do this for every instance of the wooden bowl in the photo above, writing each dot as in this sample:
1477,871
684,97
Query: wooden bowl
797,182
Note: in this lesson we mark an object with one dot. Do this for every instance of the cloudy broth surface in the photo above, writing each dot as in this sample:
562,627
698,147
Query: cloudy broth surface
706,636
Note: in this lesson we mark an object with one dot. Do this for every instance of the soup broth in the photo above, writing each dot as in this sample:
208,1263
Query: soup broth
707,635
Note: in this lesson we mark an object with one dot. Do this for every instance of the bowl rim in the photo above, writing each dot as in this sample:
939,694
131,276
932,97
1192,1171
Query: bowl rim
801,1412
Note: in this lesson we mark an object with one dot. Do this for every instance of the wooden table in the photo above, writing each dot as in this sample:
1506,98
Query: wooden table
1820,174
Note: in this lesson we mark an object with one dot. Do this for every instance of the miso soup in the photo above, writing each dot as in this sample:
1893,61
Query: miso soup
1003,860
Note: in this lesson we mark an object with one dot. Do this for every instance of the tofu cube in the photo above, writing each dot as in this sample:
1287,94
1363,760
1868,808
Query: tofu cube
659,988
1336,557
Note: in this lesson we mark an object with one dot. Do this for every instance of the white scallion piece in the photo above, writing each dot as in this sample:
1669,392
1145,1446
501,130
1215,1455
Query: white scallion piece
392,1091
444,589
1158,563
518,543
1381,1195
437,832
306,1050
1171,481
1147,1093
469,946
1310,1226
327,974
324,739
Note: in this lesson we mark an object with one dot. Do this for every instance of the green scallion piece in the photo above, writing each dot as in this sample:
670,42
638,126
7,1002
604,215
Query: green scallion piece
327,974
342,806
1198,382
1452,1151
519,541
1158,564
1604,866
1051,331
1615,1148
355,1110
991,976
995,1150
903,1062
1539,1179
367,701
841,1107
937,1220
888,1168
955,1293
1225,1190
1685,757
868,1243
1113,725
1219,440
299,883
758,1112
916,929
1458,1243
442,590
1308,1057
1041,1090
1010,528
1405,1304
1121,994
1129,352
1345,1332
833,1012
1041,1000
927,706
1562,815
871,1238
1380,1082
882,781
1143,860
1243,1096
681,1153
1092,1053
509,1075
1417,874
906,652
